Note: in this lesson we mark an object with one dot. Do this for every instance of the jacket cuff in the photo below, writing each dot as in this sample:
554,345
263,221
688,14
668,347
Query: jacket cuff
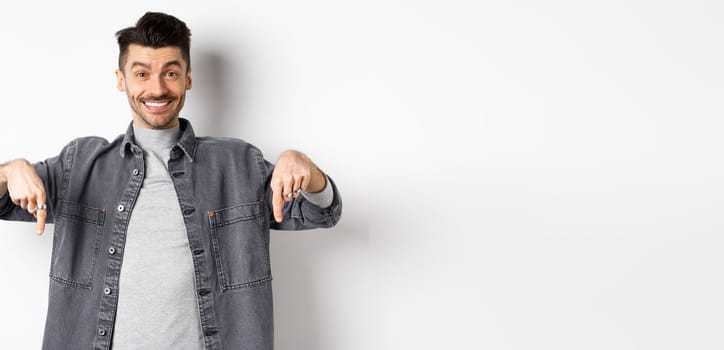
4,203
323,198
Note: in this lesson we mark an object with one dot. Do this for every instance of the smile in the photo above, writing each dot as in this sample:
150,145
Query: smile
156,104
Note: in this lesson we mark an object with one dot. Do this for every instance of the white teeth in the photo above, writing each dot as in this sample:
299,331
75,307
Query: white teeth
155,104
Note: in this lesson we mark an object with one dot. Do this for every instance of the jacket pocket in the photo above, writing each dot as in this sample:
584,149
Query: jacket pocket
241,245
76,242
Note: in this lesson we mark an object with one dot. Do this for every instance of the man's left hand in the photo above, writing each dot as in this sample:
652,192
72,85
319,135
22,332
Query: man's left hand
294,172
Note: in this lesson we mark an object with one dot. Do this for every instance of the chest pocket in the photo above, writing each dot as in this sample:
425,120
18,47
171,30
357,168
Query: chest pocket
76,242
241,245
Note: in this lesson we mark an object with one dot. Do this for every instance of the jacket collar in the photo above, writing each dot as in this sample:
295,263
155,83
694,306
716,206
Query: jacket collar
187,142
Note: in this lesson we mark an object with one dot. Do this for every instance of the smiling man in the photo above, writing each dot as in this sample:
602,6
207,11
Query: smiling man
155,100
162,238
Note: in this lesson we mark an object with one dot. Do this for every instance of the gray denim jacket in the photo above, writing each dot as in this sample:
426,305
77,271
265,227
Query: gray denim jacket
223,189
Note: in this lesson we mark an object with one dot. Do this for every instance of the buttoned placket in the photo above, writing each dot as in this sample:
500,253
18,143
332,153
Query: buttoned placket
109,299
180,167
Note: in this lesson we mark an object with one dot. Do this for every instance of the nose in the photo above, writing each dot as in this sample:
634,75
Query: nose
157,86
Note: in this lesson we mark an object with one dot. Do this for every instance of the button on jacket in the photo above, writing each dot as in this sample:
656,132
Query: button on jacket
223,189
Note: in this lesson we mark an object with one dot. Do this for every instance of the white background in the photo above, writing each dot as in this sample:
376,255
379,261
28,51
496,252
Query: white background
515,175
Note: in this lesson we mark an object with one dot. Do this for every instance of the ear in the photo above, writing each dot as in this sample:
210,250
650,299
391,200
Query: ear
188,79
120,81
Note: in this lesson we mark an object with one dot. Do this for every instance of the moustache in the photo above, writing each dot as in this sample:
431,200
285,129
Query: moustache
157,98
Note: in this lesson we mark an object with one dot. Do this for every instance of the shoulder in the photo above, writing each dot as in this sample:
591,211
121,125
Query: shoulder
94,143
227,145
91,145
215,141
230,152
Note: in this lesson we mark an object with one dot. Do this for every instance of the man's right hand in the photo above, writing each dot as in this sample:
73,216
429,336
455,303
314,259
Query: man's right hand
25,188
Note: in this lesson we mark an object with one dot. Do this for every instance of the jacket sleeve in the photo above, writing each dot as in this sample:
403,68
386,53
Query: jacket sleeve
54,172
300,213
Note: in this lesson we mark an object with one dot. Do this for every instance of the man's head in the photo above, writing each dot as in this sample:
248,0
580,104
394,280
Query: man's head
154,69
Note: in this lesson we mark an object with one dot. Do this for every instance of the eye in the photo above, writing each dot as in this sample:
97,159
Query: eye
141,75
171,74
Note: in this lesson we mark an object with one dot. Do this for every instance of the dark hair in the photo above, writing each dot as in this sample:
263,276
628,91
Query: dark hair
155,29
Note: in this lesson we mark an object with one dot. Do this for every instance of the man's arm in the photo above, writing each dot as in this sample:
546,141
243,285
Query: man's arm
20,182
293,175
3,181
294,172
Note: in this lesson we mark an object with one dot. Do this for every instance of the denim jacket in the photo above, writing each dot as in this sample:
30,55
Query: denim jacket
223,189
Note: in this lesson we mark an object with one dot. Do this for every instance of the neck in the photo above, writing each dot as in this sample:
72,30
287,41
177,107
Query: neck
156,140
146,124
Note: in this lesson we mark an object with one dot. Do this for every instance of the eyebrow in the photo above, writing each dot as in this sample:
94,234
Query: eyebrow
145,65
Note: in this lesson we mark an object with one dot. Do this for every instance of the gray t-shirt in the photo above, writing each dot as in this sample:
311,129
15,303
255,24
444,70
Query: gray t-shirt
157,306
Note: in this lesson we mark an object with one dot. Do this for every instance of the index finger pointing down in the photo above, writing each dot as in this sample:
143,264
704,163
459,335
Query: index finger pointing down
277,200
41,215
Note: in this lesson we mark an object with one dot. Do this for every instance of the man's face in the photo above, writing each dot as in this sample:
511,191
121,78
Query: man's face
155,81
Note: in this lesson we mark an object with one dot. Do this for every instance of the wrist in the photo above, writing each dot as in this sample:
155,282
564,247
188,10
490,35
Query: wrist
317,182
7,168
3,181
3,176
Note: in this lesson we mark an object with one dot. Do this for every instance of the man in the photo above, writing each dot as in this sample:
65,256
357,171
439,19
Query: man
162,238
